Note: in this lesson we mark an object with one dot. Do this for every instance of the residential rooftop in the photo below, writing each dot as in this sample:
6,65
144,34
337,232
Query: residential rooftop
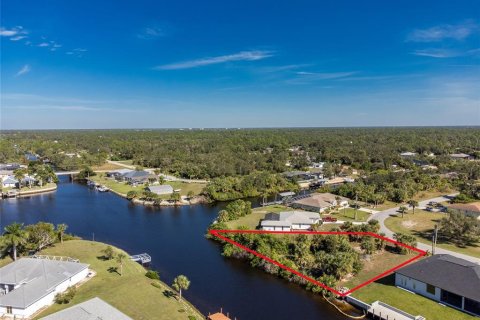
93,309
34,279
447,272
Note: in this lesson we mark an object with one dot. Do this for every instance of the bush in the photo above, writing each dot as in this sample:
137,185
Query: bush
152,274
66,297
156,285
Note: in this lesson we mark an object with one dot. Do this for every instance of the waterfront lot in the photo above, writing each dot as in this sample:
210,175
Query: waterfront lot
123,188
132,293
421,225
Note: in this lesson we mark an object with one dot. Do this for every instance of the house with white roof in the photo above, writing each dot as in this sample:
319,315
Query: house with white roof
9,182
30,284
290,220
160,190
93,309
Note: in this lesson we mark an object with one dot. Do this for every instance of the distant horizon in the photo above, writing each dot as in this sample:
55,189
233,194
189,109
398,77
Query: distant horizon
250,64
241,128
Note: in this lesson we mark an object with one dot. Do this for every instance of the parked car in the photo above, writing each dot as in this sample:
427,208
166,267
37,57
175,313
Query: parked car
329,219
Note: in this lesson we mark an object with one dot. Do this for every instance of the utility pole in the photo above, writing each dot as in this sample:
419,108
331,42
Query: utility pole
356,205
434,239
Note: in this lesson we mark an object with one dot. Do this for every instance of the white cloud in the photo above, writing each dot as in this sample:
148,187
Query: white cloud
443,32
16,38
312,76
240,56
446,53
24,70
43,44
15,31
77,52
151,33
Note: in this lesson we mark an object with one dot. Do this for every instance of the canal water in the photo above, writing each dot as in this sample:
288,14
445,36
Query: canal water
174,237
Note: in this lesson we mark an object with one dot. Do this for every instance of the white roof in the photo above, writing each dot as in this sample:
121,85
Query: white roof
36,278
93,309
287,218
162,189
297,217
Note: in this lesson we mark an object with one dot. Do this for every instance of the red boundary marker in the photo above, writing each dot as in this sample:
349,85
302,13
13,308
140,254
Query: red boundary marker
218,234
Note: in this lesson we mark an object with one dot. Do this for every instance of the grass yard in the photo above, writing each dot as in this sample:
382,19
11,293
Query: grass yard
124,188
421,225
424,195
131,293
384,290
107,166
348,214
45,186
253,220
127,162
378,263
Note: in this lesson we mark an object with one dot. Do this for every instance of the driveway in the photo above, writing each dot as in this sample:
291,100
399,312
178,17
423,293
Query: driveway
382,215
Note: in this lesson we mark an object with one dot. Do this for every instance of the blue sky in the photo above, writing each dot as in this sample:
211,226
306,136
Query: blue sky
162,64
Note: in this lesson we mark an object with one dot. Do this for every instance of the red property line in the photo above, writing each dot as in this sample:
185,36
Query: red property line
218,234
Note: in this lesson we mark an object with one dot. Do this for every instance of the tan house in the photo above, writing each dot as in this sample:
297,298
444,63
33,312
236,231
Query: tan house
469,209
319,202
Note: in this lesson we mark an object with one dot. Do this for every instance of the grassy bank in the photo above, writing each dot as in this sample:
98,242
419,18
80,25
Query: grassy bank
421,225
131,293
38,188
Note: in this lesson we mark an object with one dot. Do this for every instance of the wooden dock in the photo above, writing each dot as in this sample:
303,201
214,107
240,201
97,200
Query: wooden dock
142,258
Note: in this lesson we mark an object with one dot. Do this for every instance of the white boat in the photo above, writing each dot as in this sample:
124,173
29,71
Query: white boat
102,188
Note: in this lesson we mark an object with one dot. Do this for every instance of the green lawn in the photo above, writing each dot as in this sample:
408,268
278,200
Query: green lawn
253,220
421,225
348,214
384,290
124,188
131,293
377,264
45,186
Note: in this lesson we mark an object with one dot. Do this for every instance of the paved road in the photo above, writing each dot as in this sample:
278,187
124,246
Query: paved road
382,215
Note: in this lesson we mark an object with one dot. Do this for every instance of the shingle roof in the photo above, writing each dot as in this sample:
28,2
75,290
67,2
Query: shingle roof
447,272
36,277
137,174
319,200
93,309
474,207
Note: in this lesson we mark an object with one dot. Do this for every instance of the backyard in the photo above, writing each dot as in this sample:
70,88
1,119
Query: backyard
123,188
421,225
132,293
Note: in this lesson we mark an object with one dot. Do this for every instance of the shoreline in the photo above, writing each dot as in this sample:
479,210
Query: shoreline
26,193
165,203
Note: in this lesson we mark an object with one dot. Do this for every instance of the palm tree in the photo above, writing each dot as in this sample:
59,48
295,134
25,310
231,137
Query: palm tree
61,228
120,259
413,204
180,283
14,236
402,210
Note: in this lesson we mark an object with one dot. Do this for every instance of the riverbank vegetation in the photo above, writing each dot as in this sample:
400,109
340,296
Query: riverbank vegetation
329,259
18,240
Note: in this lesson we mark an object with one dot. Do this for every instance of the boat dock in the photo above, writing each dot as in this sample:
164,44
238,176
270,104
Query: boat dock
142,258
